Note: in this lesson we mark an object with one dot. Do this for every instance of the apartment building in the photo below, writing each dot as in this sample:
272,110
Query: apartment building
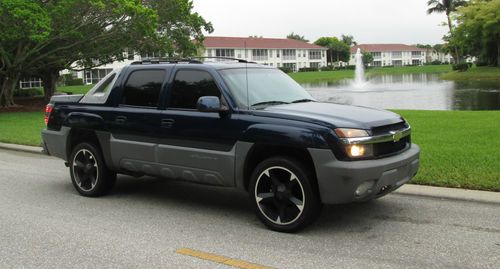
392,54
277,52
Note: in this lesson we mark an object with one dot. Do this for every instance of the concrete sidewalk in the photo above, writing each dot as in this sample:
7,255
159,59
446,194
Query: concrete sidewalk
408,189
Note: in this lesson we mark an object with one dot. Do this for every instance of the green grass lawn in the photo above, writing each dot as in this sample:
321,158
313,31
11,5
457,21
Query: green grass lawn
459,148
21,127
80,89
475,73
330,76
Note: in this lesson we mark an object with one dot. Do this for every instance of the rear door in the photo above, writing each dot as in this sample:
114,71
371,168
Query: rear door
135,122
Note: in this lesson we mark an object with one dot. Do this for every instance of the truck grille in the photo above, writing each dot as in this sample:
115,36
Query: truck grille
389,148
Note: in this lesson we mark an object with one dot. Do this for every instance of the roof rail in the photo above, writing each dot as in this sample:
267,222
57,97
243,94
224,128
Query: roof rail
185,60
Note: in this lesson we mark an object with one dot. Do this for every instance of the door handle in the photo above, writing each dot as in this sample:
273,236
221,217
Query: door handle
167,123
120,119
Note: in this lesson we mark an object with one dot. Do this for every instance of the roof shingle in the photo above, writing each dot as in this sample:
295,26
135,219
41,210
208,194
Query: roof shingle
257,43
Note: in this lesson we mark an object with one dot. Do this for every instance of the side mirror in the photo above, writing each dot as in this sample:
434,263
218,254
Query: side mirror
210,104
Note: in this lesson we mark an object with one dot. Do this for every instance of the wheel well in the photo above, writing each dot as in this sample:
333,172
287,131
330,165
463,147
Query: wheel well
77,136
258,153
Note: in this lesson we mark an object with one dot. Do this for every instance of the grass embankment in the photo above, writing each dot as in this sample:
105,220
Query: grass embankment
459,148
474,73
332,76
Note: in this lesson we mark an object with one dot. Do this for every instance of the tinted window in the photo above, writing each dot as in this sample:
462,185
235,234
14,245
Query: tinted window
143,88
189,85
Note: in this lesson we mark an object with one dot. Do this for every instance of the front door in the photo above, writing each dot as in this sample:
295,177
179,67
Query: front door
197,146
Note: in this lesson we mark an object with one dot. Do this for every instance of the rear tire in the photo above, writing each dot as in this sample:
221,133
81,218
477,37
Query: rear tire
283,194
89,174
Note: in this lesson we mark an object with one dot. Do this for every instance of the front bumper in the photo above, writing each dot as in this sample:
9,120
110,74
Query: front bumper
338,180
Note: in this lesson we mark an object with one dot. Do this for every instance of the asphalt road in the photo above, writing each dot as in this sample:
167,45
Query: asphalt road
45,223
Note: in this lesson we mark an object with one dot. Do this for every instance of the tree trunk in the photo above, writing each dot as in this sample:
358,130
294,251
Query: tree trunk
7,90
49,81
450,27
498,51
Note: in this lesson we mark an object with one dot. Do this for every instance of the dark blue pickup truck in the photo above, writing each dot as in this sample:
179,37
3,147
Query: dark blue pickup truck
233,124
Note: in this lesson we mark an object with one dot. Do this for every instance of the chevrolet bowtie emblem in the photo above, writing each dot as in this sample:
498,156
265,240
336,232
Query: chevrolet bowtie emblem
396,135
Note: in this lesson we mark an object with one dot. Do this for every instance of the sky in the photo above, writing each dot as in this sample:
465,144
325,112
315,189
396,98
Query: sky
369,21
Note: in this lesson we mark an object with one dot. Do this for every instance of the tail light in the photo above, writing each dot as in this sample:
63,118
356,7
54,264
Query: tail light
48,110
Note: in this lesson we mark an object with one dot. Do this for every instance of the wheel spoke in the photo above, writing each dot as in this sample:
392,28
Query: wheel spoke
298,203
281,213
263,196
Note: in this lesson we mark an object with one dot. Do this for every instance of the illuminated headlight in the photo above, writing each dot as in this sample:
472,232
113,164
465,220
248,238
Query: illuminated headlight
355,150
359,151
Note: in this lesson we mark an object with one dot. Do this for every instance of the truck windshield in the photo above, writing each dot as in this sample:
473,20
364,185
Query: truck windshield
266,87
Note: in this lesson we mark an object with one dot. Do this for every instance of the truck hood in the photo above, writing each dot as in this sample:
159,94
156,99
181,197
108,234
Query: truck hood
336,115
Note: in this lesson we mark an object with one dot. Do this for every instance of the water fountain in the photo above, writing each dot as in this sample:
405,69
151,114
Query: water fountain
359,75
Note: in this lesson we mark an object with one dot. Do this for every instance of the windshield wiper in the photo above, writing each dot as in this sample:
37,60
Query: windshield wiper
303,101
270,103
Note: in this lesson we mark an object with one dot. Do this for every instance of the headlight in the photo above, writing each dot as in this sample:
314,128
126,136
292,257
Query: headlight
349,133
355,151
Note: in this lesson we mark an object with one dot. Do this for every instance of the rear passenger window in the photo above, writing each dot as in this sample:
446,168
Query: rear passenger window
189,85
143,88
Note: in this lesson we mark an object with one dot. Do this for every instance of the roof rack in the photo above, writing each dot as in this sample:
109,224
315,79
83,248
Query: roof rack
192,60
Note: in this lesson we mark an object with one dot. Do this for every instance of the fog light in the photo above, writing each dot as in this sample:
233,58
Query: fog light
364,188
357,150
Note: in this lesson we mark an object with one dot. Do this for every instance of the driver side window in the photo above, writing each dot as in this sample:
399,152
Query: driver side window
188,86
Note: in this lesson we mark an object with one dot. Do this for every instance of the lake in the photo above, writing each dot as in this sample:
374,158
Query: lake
411,91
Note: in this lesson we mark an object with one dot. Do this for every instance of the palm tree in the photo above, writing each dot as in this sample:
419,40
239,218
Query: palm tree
446,6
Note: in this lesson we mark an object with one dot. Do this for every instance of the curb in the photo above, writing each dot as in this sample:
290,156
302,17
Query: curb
23,148
450,193
407,189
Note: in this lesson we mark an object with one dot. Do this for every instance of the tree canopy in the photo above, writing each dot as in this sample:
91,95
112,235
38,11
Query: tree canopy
42,38
295,36
337,50
478,31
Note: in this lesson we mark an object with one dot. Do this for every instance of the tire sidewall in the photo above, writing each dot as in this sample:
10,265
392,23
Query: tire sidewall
311,199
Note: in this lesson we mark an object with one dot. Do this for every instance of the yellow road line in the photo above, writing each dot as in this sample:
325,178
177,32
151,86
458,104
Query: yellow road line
220,259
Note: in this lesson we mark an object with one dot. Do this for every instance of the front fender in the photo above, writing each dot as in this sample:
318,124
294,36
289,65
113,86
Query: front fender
281,135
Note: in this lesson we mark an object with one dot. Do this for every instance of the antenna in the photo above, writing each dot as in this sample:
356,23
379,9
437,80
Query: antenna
246,75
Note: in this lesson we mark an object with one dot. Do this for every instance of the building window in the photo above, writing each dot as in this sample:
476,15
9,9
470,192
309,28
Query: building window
277,53
259,54
31,82
377,54
289,54
292,66
224,53
314,54
314,65
209,53
95,75
397,63
415,62
416,54
270,53
396,54
377,63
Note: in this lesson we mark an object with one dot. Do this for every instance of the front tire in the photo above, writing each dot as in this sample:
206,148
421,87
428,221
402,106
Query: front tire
89,174
283,194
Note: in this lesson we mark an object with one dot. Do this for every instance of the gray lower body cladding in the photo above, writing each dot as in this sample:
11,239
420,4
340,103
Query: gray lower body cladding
339,180
54,142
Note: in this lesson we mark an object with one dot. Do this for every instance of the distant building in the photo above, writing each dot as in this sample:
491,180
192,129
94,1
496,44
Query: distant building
277,52
399,55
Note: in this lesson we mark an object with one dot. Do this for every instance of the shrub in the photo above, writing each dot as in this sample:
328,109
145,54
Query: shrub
460,67
327,68
28,92
481,64
436,62
285,69
308,69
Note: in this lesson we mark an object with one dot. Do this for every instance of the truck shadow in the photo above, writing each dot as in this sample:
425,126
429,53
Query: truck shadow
235,205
